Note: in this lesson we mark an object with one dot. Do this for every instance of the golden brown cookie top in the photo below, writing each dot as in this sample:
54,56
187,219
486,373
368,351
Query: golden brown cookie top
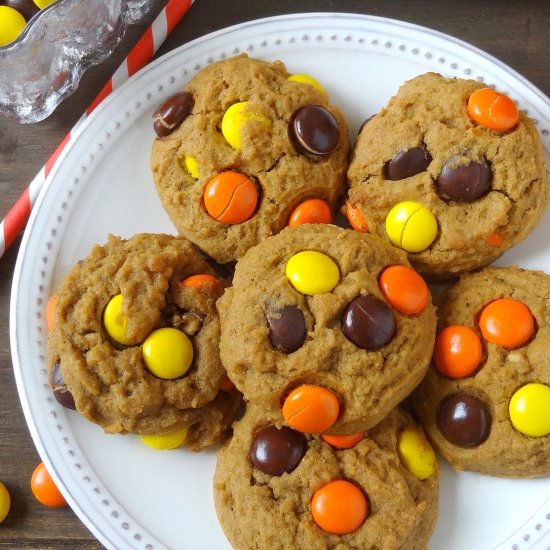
254,144
486,188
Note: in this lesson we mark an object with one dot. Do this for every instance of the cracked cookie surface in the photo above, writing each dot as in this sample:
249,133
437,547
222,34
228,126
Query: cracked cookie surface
283,177
489,442
429,112
110,383
368,383
258,510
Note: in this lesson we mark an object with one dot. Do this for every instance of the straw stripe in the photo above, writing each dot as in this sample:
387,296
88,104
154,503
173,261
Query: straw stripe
139,56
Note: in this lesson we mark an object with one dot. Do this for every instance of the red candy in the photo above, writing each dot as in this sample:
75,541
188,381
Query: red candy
311,211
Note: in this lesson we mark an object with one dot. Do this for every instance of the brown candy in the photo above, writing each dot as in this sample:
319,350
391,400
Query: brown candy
464,182
314,131
275,451
368,322
464,420
287,329
172,113
407,164
60,391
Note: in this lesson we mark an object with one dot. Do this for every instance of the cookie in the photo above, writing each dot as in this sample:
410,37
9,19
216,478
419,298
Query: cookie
451,172
485,402
242,149
134,342
327,315
280,489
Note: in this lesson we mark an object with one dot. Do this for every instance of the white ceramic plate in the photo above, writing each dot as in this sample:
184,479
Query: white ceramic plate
134,497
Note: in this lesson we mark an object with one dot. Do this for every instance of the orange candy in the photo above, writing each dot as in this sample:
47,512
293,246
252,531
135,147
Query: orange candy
507,322
344,441
495,239
226,384
355,218
311,211
457,351
230,197
492,109
202,281
44,489
404,289
339,507
311,409
50,311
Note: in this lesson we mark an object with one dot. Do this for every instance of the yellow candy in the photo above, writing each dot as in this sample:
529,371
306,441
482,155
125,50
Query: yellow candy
165,442
529,410
43,3
411,226
306,79
312,272
5,502
192,166
235,118
12,24
416,453
115,321
168,353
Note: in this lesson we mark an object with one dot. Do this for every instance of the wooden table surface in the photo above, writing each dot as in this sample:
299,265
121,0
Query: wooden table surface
515,32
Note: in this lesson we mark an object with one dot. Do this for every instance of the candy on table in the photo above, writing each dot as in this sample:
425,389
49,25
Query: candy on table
166,442
311,211
5,502
230,197
344,441
307,79
44,488
457,351
311,272
314,132
411,226
407,164
168,353
236,117
404,289
492,110
416,453
529,410
170,114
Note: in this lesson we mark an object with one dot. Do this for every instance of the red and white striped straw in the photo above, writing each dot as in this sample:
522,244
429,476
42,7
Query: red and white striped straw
139,56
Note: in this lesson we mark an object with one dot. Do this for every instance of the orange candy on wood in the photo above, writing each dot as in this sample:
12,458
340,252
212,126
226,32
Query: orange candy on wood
339,507
507,322
492,110
311,409
44,488
230,197
404,289
344,441
457,351
311,211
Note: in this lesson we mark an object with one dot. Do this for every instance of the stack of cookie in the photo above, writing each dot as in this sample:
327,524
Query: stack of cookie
324,330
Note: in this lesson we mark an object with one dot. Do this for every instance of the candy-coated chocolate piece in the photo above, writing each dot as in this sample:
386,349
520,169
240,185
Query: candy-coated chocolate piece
115,321
307,79
339,507
344,441
457,351
287,329
27,8
407,164
464,420
464,182
226,384
230,197
404,289
311,409
314,131
311,272
44,488
12,24
60,391
364,123
43,3
50,311
507,322
168,353
311,211
492,109
416,453
168,116
203,281
411,226
166,442
529,410
355,217
495,239
192,166
5,502
368,322
275,451
235,118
